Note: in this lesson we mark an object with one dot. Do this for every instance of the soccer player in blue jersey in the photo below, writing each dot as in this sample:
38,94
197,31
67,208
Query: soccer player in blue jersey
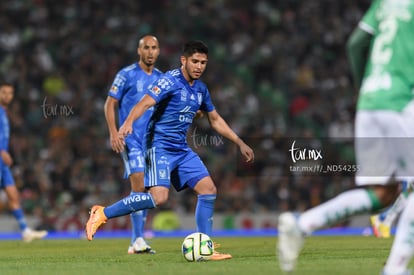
6,178
127,89
176,97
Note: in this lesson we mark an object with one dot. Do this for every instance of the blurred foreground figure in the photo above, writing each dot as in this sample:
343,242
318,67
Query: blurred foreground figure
6,161
381,54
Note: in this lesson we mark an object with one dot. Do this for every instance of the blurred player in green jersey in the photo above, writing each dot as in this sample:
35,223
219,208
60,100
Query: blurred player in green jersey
381,54
383,222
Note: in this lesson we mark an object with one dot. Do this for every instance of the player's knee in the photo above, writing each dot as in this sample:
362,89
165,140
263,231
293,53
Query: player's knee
159,200
211,189
159,197
207,189
205,186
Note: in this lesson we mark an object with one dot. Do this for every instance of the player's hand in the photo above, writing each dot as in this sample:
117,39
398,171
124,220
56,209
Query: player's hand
247,152
117,143
6,157
199,114
124,131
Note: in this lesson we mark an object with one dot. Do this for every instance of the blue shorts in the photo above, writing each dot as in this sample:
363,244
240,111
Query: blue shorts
182,168
6,177
133,157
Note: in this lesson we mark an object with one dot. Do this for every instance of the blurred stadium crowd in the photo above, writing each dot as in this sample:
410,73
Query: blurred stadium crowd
277,69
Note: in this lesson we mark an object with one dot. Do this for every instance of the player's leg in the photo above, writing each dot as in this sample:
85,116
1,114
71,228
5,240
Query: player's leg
13,197
132,203
392,214
206,197
292,230
156,179
395,210
402,249
193,173
138,219
134,170
381,189
382,223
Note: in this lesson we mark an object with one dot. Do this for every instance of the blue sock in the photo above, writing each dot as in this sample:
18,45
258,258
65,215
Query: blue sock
138,223
143,222
132,203
18,214
204,213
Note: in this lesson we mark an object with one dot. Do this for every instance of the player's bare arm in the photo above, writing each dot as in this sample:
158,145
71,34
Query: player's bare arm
109,108
6,157
221,126
136,112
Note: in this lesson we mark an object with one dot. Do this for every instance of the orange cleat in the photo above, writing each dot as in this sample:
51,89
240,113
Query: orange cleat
217,256
96,219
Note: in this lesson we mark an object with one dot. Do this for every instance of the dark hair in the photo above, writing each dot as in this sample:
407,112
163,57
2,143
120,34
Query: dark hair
194,46
5,83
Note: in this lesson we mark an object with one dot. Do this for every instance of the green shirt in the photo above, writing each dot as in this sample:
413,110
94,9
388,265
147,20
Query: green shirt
389,74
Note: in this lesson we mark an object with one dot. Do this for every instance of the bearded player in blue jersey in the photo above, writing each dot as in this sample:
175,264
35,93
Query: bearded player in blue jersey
127,89
7,182
176,97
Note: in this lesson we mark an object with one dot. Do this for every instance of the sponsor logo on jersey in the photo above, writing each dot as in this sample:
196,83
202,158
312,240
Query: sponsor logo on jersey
185,109
114,89
162,173
155,90
162,160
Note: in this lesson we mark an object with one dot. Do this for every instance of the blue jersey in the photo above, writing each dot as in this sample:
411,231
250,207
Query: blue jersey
4,130
128,88
5,173
177,104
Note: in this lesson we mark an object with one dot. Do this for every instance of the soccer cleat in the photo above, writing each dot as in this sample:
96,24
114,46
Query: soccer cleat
29,235
380,229
148,250
140,247
217,256
385,230
96,219
375,222
290,241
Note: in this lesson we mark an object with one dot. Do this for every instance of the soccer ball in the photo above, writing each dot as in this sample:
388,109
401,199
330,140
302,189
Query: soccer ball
197,247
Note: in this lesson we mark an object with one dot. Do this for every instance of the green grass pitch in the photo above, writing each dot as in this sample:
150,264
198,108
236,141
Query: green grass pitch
254,255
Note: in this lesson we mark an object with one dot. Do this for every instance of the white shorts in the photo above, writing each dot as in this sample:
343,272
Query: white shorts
384,145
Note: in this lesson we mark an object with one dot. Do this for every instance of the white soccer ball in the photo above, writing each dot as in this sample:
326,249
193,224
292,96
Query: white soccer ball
197,247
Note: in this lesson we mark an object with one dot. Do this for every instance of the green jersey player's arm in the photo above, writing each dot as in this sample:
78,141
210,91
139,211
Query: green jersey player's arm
357,49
